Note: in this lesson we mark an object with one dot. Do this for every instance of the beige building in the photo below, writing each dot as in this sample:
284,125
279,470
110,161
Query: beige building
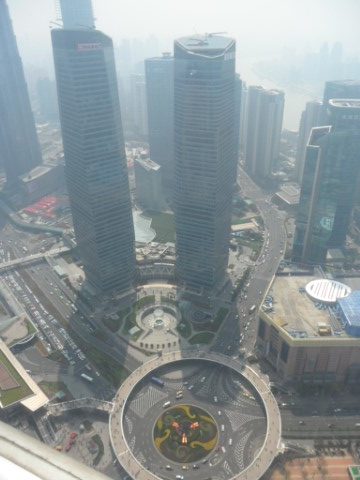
302,337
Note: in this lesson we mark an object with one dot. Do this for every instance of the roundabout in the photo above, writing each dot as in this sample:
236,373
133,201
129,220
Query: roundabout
185,434
191,410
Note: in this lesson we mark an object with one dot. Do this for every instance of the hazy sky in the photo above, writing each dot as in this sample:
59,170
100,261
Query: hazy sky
263,23
263,28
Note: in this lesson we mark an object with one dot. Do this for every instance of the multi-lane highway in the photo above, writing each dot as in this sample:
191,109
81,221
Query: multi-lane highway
240,327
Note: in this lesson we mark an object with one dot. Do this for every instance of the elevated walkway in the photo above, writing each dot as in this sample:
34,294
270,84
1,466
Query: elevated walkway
89,403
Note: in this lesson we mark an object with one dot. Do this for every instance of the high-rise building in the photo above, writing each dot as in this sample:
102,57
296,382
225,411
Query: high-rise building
19,146
265,109
243,119
95,161
338,89
159,73
205,153
310,118
238,99
138,104
77,14
148,184
329,183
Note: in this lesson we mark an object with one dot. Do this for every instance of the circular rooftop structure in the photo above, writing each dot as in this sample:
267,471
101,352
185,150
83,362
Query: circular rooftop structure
327,291
187,411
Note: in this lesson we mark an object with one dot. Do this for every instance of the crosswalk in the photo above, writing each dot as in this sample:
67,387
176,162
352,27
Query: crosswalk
239,450
141,404
238,420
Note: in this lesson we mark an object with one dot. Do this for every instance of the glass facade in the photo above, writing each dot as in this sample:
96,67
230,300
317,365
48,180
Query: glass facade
77,13
205,154
19,146
329,184
95,161
159,73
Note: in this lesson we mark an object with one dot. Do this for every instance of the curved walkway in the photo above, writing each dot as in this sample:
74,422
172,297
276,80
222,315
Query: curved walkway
261,462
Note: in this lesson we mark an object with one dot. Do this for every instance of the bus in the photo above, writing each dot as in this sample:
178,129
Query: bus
157,381
252,309
87,377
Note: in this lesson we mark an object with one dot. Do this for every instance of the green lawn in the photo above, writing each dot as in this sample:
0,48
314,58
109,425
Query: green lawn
202,337
144,301
7,397
215,324
164,226
168,300
51,388
97,439
114,325
30,327
184,328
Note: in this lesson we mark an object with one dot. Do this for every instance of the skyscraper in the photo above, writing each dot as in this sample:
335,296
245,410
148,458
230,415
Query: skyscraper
159,73
338,89
205,153
19,146
138,104
265,109
310,118
238,99
329,183
77,13
95,161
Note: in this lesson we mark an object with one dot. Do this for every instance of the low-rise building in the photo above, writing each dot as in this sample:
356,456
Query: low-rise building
42,180
302,332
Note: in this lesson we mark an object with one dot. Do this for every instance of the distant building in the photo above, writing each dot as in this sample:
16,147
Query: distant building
148,184
205,153
338,89
19,146
47,98
243,119
238,105
265,110
159,73
138,103
77,14
288,196
95,161
329,183
310,118
41,181
303,340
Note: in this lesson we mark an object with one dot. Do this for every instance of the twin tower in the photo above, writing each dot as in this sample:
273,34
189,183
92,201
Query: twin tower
96,168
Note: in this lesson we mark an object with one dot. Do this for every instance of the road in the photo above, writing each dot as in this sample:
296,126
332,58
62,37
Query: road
240,326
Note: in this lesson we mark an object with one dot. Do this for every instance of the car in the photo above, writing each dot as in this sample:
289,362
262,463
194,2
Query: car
195,466
215,398
203,379
179,477
223,428
168,467
230,441
219,413
185,467
190,387
301,422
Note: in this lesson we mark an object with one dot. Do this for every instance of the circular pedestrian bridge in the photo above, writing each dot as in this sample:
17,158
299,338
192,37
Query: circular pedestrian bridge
195,411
